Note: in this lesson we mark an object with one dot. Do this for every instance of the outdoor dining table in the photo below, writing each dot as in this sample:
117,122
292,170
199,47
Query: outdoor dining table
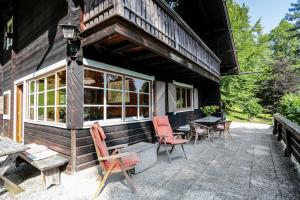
12,150
185,129
209,121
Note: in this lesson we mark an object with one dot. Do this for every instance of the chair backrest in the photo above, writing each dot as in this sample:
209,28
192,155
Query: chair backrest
99,136
227,125
197,128
162,127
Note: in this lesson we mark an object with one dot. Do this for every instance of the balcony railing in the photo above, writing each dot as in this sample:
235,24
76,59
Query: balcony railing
159,20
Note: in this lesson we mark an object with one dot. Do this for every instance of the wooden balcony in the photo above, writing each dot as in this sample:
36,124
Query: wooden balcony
159,21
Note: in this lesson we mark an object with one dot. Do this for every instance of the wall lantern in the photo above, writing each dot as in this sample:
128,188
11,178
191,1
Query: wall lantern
70,31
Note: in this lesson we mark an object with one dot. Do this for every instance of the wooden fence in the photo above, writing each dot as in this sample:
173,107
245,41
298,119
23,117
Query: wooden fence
289,132
159,20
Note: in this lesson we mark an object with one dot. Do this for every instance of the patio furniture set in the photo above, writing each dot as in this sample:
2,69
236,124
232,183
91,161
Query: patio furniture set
117,159
141,156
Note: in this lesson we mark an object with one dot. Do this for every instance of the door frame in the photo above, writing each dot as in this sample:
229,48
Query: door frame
15,116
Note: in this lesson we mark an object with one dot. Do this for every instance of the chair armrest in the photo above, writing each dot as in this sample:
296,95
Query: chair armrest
117,146
116,156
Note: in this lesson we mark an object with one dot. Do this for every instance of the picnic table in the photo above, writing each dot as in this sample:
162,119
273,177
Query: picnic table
12,150
209,121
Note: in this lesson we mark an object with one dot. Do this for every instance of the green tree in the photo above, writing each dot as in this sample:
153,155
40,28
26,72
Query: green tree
290,107
284,77
253,56
294,16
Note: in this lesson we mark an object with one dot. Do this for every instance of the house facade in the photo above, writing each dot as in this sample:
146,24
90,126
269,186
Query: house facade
132,60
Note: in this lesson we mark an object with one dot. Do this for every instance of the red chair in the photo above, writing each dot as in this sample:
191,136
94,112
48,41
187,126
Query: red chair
165,135
116,162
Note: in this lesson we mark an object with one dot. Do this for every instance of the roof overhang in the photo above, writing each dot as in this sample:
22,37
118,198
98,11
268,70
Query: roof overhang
210,20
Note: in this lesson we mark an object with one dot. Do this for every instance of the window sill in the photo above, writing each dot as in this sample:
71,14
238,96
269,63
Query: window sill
47,124
104,124
185,110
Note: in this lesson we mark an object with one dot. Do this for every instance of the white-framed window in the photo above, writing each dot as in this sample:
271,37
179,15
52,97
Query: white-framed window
115,97
184,96
6,104
47,98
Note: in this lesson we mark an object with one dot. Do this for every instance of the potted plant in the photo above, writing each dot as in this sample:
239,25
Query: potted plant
209,110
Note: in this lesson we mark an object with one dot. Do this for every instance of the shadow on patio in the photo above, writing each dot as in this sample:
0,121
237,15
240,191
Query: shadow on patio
252,166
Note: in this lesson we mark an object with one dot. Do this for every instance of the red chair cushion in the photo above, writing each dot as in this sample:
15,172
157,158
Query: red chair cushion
128,161
220,126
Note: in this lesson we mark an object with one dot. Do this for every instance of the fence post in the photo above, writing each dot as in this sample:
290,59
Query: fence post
275,127
279,131
287,151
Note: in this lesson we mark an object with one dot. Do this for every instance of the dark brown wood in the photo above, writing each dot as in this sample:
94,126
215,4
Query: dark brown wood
289,132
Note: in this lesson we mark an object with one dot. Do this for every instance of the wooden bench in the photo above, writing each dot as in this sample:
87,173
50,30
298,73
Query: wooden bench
48,166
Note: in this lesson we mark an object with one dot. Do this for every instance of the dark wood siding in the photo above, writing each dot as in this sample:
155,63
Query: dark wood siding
183,118
119,134
38,42
57,139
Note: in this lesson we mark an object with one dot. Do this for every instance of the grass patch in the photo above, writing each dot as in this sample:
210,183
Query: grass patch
241,117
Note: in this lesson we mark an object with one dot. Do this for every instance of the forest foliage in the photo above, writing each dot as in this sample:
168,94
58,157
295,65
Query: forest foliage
268,81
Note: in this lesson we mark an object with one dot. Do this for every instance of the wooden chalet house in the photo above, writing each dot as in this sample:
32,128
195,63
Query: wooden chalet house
131,60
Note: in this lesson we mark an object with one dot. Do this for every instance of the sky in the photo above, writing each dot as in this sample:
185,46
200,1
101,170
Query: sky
271,11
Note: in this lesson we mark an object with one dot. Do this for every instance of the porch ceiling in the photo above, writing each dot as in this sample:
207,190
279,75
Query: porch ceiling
121,46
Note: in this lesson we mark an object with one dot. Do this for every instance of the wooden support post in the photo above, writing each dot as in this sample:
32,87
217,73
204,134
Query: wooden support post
279,131
287,151
275,127
73,152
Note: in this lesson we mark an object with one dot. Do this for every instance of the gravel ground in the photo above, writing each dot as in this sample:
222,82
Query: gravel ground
252,166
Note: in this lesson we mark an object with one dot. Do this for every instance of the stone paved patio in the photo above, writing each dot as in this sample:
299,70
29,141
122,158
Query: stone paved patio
252,166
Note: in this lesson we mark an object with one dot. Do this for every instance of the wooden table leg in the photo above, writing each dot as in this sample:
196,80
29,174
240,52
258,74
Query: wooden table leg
8,184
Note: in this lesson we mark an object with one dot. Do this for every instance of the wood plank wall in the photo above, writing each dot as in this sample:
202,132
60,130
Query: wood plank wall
57,139
119,134
39,42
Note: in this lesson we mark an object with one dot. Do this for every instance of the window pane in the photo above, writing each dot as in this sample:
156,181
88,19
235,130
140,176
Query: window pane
93,78
183,98
51,82
31,113
93,113
61,114
6,104
114,97
131,112
131,98
50,98
41,86
32,100
131,84
114,112
41,99
114,82
61,76
178,98
144,99
62,97
31,86
144,112
93,96
188,98
144,86
41,114
50,114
